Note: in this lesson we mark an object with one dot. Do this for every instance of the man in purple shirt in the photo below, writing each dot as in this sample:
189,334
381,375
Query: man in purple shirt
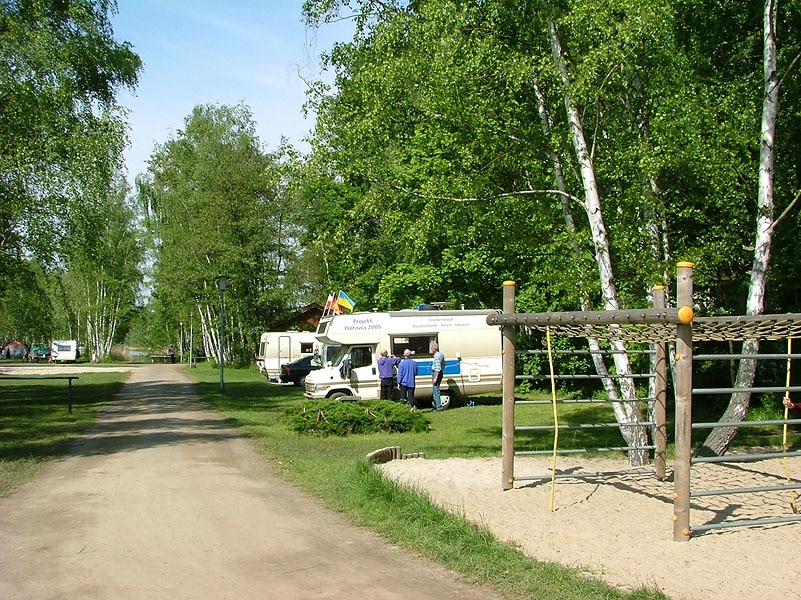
386,373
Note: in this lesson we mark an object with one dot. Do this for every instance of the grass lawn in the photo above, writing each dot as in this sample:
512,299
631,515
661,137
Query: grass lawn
36,425
333,469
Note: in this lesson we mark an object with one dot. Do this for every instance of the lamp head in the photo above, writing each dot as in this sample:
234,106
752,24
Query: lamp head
222,281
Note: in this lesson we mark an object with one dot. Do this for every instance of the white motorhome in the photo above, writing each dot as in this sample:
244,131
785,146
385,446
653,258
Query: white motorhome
280,347
64,351
473,363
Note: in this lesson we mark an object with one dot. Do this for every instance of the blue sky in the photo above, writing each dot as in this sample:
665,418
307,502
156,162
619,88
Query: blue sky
219,52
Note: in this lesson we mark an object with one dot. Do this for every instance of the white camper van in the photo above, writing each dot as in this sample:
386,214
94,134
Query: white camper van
472,349
280,347
64,351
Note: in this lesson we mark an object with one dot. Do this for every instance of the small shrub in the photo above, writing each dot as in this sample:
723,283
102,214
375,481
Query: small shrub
334,417
768,407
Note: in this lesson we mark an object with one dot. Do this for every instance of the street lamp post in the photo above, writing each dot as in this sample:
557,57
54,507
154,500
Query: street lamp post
222,281
191,334
181,346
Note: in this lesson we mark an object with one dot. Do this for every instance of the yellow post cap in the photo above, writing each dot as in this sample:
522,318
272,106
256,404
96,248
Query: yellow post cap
686,315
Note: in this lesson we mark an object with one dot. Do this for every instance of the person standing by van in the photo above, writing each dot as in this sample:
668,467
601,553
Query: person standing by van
386,373
437,370
407,372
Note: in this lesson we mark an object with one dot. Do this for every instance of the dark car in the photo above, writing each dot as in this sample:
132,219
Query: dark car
296,371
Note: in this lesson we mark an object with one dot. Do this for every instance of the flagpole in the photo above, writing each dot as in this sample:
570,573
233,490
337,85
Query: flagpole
329,305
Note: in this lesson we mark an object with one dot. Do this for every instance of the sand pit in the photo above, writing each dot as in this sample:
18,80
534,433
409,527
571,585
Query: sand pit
619,528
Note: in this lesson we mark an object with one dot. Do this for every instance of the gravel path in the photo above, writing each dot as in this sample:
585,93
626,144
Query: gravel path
163,500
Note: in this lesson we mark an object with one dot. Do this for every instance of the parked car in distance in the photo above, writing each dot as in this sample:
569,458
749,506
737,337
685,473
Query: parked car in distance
296,371
40,352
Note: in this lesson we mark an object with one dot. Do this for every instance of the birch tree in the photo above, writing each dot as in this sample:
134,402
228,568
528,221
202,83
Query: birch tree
217,203
626,412
719,439
102,269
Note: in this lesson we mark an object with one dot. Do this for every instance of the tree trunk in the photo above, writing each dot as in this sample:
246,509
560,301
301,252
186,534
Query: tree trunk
592,343
717,442
626,412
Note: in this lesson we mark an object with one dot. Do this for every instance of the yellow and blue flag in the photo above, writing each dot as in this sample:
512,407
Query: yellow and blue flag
345,301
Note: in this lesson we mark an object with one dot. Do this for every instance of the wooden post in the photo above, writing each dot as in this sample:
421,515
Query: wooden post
508,427
684,389
660,394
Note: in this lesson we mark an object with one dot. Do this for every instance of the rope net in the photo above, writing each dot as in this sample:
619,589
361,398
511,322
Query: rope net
720,329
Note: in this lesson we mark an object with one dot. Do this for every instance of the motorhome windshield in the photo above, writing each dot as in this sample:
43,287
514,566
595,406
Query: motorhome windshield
360,355
338,355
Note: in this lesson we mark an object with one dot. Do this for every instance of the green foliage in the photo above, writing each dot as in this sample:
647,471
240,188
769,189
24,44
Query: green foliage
103,277
61,136
768,407
216,203
443,176
26,312
334,417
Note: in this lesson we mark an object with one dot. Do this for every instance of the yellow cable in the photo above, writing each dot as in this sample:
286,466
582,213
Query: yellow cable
786,416
555,417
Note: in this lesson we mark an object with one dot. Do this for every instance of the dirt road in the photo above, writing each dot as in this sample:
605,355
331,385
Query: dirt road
163,500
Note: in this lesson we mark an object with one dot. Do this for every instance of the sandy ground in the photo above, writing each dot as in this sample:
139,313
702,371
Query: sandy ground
59,369
619,528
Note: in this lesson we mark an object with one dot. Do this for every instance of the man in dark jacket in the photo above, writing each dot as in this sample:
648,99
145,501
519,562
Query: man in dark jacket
386,373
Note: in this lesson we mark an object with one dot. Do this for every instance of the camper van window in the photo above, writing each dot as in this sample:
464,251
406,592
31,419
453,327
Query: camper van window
341,351
306,347
361,356
419,344
329,352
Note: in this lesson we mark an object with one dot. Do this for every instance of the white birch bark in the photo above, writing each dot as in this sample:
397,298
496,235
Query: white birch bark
102,305
718,441
627,412
592,343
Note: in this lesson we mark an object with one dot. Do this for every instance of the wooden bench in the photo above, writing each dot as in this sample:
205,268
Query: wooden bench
165,358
